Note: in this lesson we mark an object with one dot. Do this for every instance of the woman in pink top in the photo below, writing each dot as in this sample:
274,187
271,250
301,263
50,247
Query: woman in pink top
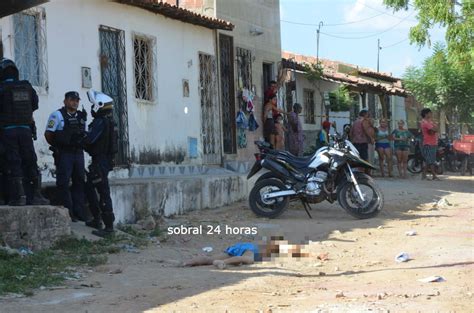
430,142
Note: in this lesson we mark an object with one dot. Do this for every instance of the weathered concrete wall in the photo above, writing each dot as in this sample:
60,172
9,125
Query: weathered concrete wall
134,199
37,227
158,129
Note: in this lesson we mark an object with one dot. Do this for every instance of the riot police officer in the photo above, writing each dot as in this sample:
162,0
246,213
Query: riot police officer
101,144
18,101
64,131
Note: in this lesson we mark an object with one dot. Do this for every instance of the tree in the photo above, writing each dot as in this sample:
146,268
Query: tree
456,15
440,85
340,99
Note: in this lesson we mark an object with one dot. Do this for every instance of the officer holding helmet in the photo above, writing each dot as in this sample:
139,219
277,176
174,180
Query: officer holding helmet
18,101
101,143
64,132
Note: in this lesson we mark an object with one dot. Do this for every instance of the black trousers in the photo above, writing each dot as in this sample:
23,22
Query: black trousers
98,184
20,156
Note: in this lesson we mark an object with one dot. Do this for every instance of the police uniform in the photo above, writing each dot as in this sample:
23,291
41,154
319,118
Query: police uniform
101,144
68,129
18,101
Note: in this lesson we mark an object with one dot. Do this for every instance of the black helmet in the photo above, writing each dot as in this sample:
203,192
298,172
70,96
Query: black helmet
8,70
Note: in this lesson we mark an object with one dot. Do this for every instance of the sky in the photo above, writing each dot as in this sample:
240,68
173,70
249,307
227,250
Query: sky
355,42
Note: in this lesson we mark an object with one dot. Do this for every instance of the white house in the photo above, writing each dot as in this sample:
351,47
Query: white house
156,60
367,89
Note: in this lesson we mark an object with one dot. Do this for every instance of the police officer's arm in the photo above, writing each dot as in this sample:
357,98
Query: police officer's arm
97,128
51,128
35,100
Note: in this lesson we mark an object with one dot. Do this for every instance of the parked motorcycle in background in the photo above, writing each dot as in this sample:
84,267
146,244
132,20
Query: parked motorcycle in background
328,174
415,160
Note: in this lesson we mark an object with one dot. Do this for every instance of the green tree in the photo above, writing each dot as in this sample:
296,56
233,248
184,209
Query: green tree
340,99
440,85
456,15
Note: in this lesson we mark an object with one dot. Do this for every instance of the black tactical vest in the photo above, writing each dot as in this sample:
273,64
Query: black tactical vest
107,144
16,103
73,125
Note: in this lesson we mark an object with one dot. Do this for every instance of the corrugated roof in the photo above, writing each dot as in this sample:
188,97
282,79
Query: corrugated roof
352,75
180,14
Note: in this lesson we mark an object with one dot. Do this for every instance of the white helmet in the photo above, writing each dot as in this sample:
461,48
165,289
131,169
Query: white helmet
99,100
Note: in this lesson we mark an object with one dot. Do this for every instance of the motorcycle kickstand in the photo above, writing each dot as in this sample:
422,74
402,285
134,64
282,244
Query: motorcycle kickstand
306,206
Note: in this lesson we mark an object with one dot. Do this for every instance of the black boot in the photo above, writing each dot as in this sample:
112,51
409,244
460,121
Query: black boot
106,232
108,218
95,223
38,198
17,193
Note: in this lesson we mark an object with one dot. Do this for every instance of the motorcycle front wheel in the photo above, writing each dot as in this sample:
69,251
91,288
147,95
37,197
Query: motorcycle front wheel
270,208
350,201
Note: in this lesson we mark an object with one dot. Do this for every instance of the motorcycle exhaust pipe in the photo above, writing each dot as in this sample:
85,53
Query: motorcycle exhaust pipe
278,194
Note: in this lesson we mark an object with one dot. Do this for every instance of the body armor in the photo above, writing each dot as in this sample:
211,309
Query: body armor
74,129
107,144
16,103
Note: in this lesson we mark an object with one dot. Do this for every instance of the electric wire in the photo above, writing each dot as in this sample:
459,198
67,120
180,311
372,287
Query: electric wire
394,44
369,36
329,25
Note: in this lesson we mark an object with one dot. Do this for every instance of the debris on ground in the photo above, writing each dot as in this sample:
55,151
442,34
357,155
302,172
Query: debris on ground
432,279
340,294
207,249
402,257
129,248
323,256
411,233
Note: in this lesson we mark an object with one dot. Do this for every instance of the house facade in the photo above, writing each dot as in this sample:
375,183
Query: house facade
249,58
380,93
158,62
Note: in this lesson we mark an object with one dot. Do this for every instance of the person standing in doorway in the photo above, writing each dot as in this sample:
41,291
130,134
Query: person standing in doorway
430,142
382,145
64,132
269,130
280,133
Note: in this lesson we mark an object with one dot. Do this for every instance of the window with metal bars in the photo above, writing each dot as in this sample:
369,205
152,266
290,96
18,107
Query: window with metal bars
308,98
29,43
144,64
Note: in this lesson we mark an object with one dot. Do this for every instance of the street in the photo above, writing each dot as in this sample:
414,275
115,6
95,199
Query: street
351,267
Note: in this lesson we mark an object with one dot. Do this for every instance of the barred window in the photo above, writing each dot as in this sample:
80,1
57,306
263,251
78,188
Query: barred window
30,46
309,106
144,64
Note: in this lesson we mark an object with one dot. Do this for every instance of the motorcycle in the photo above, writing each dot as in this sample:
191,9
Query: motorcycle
415,160
326,175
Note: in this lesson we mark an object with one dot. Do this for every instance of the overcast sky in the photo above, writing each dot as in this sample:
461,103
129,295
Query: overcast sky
356,41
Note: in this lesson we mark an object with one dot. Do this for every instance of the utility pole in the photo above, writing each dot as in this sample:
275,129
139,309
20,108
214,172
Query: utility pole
378,54
317,41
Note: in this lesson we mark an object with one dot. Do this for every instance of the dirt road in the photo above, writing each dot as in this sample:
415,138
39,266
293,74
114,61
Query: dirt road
360,274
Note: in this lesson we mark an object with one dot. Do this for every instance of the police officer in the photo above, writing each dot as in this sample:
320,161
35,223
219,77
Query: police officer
64,131
18,101
101,144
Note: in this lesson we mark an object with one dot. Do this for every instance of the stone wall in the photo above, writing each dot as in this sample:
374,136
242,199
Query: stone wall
35,227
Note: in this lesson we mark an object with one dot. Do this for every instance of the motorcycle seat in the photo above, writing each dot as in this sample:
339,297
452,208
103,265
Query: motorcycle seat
298,162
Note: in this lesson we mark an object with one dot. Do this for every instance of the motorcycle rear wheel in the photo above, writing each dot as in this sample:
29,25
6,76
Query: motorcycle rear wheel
270,208
350,202
414,165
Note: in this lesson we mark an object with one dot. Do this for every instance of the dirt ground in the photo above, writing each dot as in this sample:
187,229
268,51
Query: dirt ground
360,274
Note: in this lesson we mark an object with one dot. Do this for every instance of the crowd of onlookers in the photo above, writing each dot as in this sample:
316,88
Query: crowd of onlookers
361,133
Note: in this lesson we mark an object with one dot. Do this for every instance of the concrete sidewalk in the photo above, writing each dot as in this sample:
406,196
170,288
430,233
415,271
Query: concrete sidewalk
169,190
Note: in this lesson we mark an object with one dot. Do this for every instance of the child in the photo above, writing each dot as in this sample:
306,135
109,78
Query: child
280,131
248,253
